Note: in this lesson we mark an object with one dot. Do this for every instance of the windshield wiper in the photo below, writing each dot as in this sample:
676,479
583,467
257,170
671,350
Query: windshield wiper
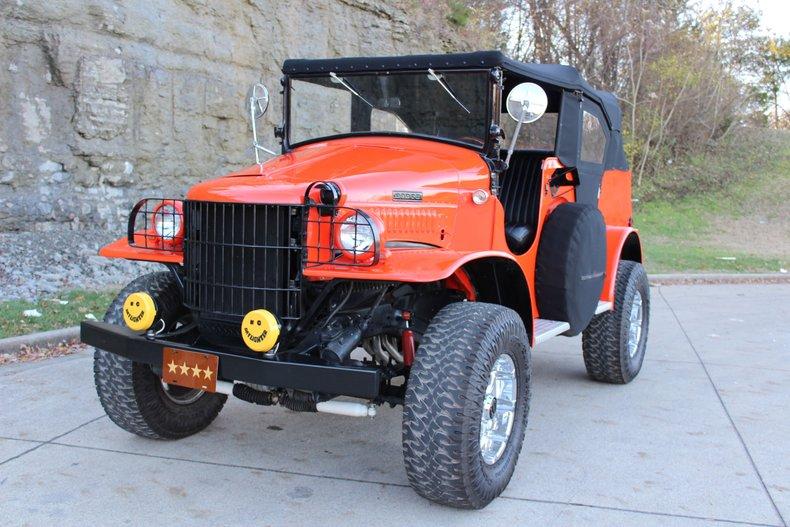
347,86
446,88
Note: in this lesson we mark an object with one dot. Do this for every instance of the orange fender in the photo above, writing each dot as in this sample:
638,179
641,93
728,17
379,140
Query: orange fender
121,249
406,265
615,241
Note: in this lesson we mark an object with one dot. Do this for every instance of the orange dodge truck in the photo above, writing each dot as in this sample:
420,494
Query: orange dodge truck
429,220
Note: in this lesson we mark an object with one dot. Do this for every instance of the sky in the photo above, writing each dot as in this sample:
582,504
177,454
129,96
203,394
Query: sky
775,15
775,18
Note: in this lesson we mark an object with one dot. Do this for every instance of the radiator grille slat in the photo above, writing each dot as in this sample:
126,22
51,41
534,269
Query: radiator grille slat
240,257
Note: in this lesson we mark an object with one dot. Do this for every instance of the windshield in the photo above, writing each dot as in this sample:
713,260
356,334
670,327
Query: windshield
446,105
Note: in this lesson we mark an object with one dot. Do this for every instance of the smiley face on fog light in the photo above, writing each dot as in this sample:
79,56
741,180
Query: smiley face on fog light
260,330
139,311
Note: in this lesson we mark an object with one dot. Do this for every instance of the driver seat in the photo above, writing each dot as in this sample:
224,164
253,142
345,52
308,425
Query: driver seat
520,197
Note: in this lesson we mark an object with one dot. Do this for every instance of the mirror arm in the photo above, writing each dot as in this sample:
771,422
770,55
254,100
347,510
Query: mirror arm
261,147
515,135
255,145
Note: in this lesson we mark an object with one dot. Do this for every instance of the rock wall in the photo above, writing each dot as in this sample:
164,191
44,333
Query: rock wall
104,102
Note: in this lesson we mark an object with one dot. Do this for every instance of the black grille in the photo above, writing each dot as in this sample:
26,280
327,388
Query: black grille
240,257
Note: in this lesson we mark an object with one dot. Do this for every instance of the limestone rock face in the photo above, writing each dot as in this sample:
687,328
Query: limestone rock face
108,101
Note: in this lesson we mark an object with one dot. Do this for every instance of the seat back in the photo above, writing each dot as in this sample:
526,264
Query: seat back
520,188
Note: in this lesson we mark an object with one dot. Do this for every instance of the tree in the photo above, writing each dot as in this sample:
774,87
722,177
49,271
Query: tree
774,65
680,71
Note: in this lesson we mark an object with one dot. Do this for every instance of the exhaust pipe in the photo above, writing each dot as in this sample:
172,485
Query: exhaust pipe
296,401
347,408
224,387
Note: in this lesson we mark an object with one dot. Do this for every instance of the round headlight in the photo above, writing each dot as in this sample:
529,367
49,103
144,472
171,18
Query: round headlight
167,222
356,235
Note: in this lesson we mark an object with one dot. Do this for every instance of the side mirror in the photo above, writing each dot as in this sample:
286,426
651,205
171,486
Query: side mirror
526,103
258,103
259,100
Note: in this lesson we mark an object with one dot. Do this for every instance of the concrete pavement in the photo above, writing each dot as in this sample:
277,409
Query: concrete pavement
702,437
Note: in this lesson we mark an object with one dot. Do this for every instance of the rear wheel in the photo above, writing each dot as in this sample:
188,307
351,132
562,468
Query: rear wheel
132,394
615,341
466,406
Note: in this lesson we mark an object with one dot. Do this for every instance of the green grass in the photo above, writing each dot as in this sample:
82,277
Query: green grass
54,315
702,230
669,258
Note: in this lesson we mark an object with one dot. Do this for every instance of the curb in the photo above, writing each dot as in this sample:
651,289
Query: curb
44,338
718,278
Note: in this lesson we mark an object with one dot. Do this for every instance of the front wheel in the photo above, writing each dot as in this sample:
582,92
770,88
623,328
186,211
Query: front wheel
132,394
615,341
466,406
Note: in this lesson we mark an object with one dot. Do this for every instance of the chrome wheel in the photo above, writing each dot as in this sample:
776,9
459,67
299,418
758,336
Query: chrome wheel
180,395
499,409
635,325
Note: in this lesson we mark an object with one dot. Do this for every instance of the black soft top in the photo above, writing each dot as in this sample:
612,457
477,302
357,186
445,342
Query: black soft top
566,77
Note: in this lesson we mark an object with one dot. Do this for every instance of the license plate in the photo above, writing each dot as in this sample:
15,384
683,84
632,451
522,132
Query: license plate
190,369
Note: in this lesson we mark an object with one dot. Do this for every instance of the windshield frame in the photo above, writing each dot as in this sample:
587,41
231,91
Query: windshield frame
491,118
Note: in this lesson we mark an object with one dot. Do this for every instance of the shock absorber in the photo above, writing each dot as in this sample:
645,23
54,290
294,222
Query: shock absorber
407,341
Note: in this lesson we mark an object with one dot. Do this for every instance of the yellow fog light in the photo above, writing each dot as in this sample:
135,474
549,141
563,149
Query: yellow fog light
139,311
260,330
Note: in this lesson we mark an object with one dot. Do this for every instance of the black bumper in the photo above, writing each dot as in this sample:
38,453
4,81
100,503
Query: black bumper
304,374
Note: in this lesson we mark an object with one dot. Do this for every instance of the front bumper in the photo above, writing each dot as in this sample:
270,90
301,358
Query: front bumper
300,373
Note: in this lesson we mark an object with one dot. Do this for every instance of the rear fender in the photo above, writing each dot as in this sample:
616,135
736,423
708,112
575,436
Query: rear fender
622,243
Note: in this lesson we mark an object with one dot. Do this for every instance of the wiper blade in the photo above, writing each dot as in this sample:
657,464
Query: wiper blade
446,88
347,86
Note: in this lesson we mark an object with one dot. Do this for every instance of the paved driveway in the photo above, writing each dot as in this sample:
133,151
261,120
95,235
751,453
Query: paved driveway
701,437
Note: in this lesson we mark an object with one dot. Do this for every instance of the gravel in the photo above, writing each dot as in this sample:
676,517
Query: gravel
37,265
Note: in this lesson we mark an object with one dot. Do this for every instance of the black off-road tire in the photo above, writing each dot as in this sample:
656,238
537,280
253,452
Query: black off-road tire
131,392
605,341
444,404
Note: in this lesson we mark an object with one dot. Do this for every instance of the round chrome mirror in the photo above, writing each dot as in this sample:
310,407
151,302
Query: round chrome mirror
527,102
259,100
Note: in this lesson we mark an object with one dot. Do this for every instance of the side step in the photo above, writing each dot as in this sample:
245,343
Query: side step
603,306
546,329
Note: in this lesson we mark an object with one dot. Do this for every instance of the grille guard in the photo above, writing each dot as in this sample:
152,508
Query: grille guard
321,236
241,256
141,229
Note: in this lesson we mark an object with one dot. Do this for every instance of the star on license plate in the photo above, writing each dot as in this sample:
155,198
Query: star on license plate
190,369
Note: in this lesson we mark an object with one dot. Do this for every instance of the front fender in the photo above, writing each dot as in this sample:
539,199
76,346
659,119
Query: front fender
121,249
407,265
402,265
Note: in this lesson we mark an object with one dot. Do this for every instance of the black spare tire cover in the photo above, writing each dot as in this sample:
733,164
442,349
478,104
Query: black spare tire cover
571,264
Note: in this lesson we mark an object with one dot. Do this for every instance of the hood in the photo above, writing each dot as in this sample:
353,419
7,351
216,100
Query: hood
367,169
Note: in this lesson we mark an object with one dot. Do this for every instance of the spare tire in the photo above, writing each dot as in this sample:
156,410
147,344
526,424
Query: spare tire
571,264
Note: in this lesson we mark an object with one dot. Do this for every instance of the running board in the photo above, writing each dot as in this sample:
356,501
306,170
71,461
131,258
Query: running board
603,306
546,329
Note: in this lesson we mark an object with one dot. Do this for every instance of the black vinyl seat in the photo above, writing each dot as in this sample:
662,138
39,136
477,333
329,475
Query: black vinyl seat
520,197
